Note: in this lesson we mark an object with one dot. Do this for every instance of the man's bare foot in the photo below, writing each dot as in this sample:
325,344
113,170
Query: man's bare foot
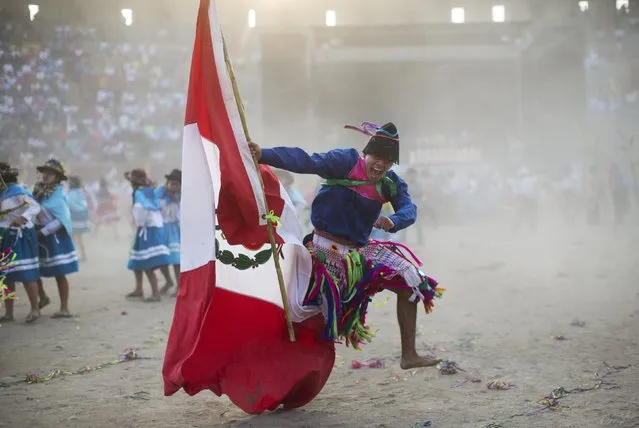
153,299
7,318
407,363
44,302
135,295
33,316
166,288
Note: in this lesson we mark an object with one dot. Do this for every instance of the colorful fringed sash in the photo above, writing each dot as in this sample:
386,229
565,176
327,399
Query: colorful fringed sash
348,282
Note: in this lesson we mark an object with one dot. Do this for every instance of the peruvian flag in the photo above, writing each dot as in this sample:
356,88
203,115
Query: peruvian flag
229,333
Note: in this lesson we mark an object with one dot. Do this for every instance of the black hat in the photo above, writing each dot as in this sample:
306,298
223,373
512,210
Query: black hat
55,166
137,176
175,175
7,172
385,143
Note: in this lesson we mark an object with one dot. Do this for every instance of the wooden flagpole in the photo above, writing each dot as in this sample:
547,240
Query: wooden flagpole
269,222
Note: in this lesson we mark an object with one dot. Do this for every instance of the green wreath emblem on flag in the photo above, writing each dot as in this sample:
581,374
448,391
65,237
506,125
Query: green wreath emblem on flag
241,261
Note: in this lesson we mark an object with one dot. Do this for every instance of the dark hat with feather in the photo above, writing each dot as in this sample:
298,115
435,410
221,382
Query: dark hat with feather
384,141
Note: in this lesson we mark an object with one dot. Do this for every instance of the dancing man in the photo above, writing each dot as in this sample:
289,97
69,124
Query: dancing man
349,268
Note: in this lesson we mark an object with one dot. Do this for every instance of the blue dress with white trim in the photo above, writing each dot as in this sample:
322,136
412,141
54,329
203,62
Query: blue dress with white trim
79,207
149,248
22,241
170,204
55,247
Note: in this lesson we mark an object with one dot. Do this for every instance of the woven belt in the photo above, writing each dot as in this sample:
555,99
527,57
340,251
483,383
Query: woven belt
335,239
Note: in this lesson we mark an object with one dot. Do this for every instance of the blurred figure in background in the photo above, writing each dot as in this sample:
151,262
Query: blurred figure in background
288,181
80,218
524,190
301,206
107,208
149,250
619,192
595,192
169,196
424,213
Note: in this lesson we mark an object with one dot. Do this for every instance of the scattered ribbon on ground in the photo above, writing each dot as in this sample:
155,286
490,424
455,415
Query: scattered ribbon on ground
501,385
449,367
552,400
128,354
370,364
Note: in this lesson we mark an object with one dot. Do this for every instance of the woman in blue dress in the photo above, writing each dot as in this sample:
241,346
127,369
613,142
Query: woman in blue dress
149,251
18,210
169,196
80,219
53,224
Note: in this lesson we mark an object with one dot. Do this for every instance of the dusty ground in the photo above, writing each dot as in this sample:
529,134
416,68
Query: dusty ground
509,294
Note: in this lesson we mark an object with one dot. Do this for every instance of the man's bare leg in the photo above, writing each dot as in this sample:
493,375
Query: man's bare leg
407,319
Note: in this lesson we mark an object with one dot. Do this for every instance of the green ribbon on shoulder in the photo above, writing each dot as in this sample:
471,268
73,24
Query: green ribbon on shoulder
345,182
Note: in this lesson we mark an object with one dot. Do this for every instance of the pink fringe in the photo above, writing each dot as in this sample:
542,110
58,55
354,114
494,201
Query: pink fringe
402,246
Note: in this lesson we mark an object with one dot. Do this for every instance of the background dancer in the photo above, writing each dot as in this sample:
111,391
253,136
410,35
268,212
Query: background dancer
149,250
107,208
18,210
169,196
80,218
55,247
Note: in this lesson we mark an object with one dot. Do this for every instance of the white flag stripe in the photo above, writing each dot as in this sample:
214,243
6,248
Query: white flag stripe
197,216
233,112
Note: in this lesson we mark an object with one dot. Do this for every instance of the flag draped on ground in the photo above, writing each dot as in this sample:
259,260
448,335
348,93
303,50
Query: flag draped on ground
229,333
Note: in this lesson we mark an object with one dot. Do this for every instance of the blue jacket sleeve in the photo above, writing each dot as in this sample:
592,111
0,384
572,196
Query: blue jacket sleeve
405,209
332,164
